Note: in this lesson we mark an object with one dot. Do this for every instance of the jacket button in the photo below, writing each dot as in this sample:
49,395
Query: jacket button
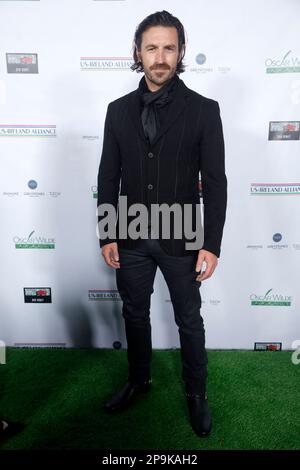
150,186
150,155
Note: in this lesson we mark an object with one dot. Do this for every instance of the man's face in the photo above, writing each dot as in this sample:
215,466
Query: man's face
159,55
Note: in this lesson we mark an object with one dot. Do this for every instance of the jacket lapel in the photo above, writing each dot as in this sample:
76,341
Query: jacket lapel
176,107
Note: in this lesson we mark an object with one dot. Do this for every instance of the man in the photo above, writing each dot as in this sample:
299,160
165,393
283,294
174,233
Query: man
156,141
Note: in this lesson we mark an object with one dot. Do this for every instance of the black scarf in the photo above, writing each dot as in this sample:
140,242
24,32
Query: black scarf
151,100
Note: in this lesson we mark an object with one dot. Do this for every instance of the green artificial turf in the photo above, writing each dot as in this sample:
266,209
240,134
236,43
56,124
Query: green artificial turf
59,393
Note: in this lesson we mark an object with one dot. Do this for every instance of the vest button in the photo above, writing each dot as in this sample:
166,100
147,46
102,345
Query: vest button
150,155
150,186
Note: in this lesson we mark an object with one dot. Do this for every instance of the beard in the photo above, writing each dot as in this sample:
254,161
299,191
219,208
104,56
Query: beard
159,74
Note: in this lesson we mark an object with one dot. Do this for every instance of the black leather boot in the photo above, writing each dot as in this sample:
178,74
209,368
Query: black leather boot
125,397
200,416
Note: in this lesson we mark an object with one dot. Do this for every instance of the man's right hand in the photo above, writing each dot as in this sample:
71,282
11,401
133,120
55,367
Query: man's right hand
110,254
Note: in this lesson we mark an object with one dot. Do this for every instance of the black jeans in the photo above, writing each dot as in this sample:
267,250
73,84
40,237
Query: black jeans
135,279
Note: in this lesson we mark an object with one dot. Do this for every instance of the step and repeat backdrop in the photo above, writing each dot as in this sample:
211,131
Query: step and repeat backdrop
61,63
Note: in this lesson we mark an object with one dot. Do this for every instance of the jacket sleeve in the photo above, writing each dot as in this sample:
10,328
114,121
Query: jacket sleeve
109,170
213,177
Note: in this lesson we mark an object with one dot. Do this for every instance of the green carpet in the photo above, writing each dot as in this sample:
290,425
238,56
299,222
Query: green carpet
58,394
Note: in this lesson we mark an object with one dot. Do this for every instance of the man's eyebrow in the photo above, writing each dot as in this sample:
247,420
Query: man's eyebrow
155,45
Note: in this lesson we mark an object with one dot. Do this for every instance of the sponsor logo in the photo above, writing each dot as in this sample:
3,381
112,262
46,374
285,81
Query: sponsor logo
202,68
22,63
20,130
32,185
103,64
275,189
200,59
90,137
286,64
39,295
100,294
10,193
260,346
277,237
271,300
284,130
34,242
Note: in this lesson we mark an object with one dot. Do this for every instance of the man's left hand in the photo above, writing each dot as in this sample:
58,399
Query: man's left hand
211,261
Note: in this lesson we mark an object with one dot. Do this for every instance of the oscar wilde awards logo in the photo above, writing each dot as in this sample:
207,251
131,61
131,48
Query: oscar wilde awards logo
271,300
34,242
288,63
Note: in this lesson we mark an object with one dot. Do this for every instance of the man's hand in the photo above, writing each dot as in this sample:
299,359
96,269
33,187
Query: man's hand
110,254
211,261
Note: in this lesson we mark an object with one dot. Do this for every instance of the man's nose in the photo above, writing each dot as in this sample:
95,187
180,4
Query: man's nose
160,57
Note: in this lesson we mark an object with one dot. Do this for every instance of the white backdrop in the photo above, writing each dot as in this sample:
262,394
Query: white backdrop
66,61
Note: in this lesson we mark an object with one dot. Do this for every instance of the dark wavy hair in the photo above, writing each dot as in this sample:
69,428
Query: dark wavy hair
160,18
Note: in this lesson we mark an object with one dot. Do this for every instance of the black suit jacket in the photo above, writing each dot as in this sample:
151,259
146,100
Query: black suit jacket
190,141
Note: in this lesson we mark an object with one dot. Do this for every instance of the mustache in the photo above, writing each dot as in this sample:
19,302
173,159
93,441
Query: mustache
160,67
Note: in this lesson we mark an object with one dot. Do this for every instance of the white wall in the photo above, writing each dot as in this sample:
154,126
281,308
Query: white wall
239,40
